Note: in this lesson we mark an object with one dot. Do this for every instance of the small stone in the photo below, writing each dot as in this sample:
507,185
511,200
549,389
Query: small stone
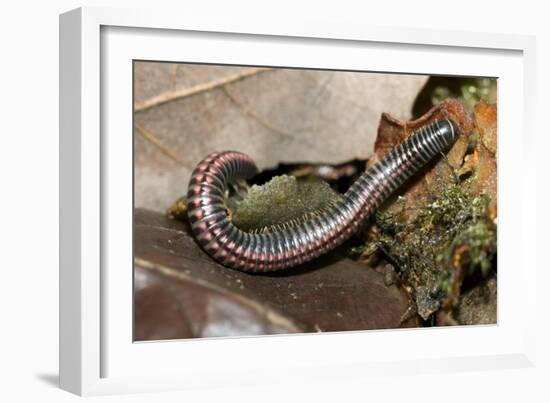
479,305
389,275
425,303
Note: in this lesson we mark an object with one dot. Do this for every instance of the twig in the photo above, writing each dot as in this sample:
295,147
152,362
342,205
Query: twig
187,92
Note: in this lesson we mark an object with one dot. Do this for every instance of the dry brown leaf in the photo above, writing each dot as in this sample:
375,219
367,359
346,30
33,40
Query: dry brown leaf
486,122
182,292
185,111
484,178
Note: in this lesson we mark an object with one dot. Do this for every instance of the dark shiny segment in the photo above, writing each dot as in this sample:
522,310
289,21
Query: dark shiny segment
290,245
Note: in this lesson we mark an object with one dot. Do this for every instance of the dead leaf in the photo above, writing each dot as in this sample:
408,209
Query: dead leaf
486,122
182,292
185,111
484,178
171,305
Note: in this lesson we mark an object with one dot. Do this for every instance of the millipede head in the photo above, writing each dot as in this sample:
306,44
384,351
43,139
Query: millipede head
449,130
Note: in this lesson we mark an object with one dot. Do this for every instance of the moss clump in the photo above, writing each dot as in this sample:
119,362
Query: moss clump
450,237
282,199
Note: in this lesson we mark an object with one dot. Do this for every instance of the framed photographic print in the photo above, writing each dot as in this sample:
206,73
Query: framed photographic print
261,199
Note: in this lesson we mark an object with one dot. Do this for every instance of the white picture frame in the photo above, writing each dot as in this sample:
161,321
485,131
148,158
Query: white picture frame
96,354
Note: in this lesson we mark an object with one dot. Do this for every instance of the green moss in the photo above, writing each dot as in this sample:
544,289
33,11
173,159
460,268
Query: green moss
481,243
425,250
282,199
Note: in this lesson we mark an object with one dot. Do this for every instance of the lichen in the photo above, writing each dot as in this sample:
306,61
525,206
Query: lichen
282,199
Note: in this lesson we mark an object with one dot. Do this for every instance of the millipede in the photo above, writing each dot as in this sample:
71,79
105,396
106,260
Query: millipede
291,244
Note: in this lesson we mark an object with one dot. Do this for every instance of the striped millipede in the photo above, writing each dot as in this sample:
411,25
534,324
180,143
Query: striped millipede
289,245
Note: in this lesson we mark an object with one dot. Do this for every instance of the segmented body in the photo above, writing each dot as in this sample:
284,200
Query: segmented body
290,245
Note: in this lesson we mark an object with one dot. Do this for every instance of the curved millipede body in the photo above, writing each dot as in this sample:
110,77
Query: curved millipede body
289,245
